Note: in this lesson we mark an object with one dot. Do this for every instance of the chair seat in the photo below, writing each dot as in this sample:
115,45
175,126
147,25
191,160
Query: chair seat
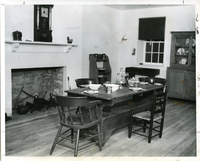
146,115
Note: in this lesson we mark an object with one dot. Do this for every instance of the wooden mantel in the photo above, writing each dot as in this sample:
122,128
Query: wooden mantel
23,46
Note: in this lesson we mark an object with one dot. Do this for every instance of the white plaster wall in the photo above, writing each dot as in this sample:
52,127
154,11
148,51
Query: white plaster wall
20,17
101,38
66,21
100,35
178,18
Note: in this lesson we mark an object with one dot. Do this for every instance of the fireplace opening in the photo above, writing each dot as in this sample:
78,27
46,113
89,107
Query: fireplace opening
30,82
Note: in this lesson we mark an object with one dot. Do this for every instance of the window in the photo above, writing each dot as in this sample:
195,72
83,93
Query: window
152,33
154,52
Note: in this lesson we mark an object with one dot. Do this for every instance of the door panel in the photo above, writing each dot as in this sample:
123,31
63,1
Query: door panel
176,83
190,85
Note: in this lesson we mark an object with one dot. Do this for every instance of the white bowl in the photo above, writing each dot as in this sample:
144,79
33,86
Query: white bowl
94,86
115,87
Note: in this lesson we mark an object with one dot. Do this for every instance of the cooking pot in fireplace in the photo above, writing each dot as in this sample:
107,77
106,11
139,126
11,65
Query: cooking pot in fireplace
22,109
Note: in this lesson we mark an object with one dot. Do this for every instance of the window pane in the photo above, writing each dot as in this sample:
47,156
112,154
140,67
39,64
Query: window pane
148,57
161,47
161,58
155,47
148,47
155,58
154,52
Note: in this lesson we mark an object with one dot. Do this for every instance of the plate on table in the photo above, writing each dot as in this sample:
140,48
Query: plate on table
135,88
91,91
84,86
158,84
144,83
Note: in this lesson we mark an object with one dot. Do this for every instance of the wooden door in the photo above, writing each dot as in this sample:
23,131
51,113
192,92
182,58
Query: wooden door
176,83
190,85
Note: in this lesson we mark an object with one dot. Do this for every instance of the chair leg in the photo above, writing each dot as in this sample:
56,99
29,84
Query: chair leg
76,144
144,126
130,126
161,127
77,110
100,137
150,131
56,139
72,135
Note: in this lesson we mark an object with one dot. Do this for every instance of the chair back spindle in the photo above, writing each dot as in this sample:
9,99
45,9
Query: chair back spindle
87,113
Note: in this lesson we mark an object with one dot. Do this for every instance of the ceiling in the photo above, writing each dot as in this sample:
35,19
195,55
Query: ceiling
132,7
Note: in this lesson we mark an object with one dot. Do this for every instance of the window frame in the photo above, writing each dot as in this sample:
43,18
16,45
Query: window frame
144,53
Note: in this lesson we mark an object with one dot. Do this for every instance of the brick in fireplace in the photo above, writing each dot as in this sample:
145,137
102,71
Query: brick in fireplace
36,81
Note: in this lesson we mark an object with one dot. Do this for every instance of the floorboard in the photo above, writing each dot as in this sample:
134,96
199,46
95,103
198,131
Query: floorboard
35,138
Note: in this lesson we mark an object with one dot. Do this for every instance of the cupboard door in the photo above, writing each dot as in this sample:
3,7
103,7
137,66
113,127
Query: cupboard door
183,47
190,90
176,83
182,50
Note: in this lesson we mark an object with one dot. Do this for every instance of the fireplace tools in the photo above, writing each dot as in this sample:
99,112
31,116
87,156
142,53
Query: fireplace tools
22,91
52,101
38,103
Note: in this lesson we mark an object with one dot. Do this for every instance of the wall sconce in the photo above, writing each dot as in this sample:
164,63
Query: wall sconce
133,52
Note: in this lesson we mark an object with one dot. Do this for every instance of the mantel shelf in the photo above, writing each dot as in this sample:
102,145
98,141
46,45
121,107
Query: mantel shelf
15,46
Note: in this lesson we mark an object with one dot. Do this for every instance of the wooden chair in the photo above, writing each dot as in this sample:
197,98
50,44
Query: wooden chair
160,80
84,82
144,79
89,116
153,116
155,80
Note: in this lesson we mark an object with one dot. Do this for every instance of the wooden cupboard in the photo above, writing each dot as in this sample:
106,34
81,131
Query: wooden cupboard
181,73
181,84
100,69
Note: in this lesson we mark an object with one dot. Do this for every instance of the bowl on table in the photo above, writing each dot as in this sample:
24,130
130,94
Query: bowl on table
94,86
115,87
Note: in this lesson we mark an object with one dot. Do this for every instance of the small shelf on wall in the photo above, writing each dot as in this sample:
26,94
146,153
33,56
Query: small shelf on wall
42,47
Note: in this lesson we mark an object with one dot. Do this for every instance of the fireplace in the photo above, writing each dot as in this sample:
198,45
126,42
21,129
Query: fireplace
28,57
30,82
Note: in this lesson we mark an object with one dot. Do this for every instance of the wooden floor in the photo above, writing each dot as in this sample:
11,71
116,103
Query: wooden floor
179,137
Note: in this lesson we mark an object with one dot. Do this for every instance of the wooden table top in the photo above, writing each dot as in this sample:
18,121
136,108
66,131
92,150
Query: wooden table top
123,92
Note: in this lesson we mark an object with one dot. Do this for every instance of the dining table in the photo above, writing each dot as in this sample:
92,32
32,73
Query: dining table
117,106
109,100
